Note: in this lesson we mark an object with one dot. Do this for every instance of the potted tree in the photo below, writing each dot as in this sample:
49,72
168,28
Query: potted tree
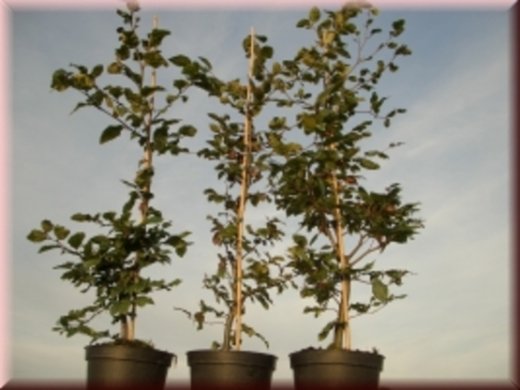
246,272
317,179
110,263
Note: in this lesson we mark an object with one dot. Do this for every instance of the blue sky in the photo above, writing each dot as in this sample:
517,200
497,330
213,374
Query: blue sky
455,323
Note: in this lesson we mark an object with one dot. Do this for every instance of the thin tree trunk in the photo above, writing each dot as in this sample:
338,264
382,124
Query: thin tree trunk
228,326
342,338
124,328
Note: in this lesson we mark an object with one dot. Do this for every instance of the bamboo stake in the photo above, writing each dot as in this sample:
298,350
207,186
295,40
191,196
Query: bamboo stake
146,165
243,196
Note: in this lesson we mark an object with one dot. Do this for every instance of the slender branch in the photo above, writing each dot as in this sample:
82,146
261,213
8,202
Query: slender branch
112,98
364,254
325,229
370,312
358,246
214,322
66,249
111,115
93,315
324,309
337,300
167,106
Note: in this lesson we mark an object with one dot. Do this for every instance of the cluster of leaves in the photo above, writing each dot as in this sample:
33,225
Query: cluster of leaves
241,162
318,180
317,260
110,263
133,104
107,263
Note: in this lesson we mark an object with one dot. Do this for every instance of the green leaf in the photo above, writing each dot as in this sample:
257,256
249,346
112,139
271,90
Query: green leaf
314,15
179,244
398,27
154,219
393,67
326,330
251,332
328,37
142,301
91,262
160,138
368,164
147,91
396,276
115,68
109,215
300,240
180,84
277,68
46,248
46,225
174,283
80,217
360,307
309,122
60,80
37,236
154,59
181,249
199,318
206,63
157,35
76,239
115,91
78,106
110,133
380,290
180,60
303,23
61,232
97,71
188,131
267,52
82,81
120,307
96,99
403,50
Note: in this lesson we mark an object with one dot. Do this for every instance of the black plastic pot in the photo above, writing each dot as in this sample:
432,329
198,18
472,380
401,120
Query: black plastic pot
122,365
211,369
335,368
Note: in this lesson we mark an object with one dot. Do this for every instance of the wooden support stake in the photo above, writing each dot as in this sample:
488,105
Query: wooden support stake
244,187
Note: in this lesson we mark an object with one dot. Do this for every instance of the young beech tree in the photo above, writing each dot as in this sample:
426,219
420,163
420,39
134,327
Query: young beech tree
110,263
246,271
320,160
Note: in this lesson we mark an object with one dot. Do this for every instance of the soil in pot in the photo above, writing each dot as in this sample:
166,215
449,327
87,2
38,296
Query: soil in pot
212,369
335,368
126,365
